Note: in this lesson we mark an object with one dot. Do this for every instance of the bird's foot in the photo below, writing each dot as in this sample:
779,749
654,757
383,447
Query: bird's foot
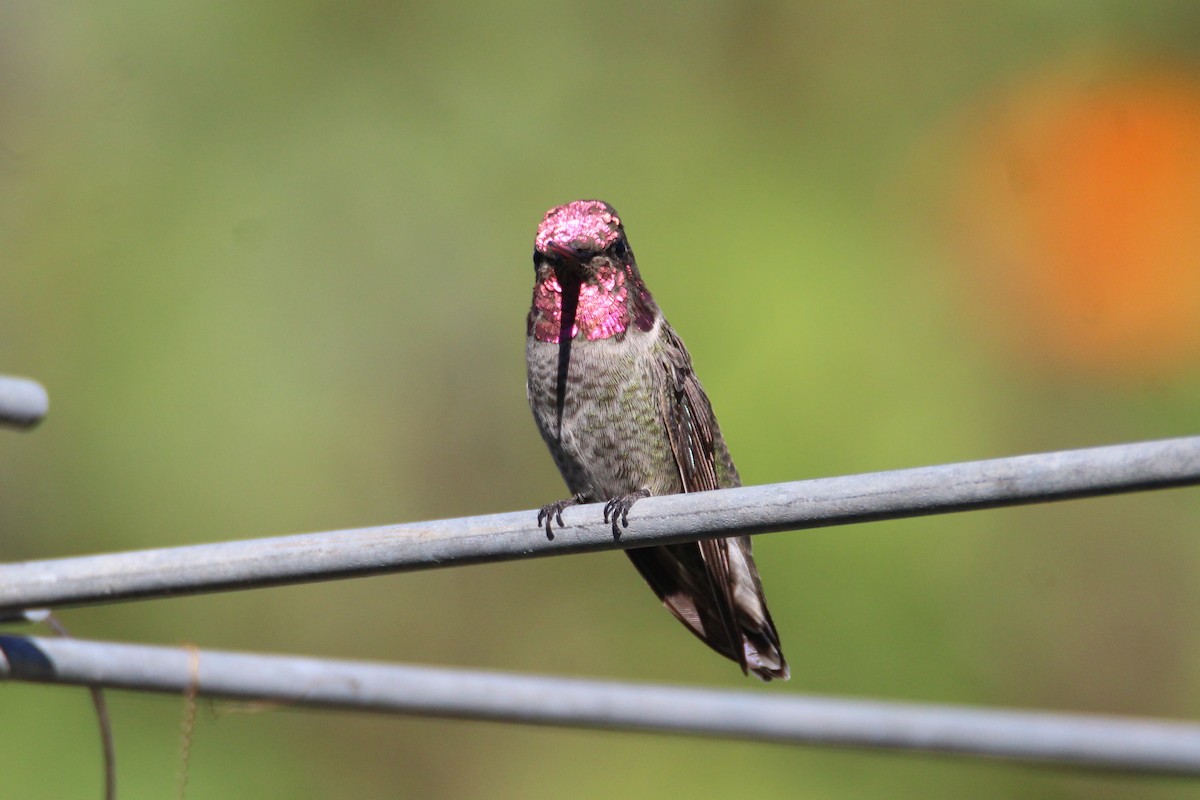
618,509
553,511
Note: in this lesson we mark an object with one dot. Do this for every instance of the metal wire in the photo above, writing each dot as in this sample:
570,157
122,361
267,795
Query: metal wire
23,402
1072,740
656,520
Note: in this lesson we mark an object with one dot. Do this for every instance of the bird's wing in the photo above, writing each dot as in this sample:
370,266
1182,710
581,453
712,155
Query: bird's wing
691,429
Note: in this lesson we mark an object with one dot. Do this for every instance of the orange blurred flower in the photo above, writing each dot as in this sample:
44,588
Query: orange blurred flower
1080,206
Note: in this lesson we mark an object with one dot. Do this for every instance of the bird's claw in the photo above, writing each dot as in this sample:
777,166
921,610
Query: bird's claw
552,512
618,510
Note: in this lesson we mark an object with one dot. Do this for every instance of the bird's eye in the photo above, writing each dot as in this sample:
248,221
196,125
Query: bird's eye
619,249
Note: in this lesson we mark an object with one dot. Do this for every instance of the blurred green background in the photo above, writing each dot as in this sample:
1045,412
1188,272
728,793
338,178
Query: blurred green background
272,262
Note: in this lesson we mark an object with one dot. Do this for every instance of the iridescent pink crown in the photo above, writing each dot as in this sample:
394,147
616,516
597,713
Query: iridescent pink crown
590,225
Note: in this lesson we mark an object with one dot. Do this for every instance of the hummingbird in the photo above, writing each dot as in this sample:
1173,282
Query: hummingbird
615,398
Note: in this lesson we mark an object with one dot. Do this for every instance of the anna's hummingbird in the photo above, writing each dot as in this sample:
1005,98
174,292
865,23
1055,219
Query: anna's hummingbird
614,396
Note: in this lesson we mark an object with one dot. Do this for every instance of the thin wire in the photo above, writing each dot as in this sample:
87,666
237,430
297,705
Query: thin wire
1081,741
187,725
100,705
655,520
